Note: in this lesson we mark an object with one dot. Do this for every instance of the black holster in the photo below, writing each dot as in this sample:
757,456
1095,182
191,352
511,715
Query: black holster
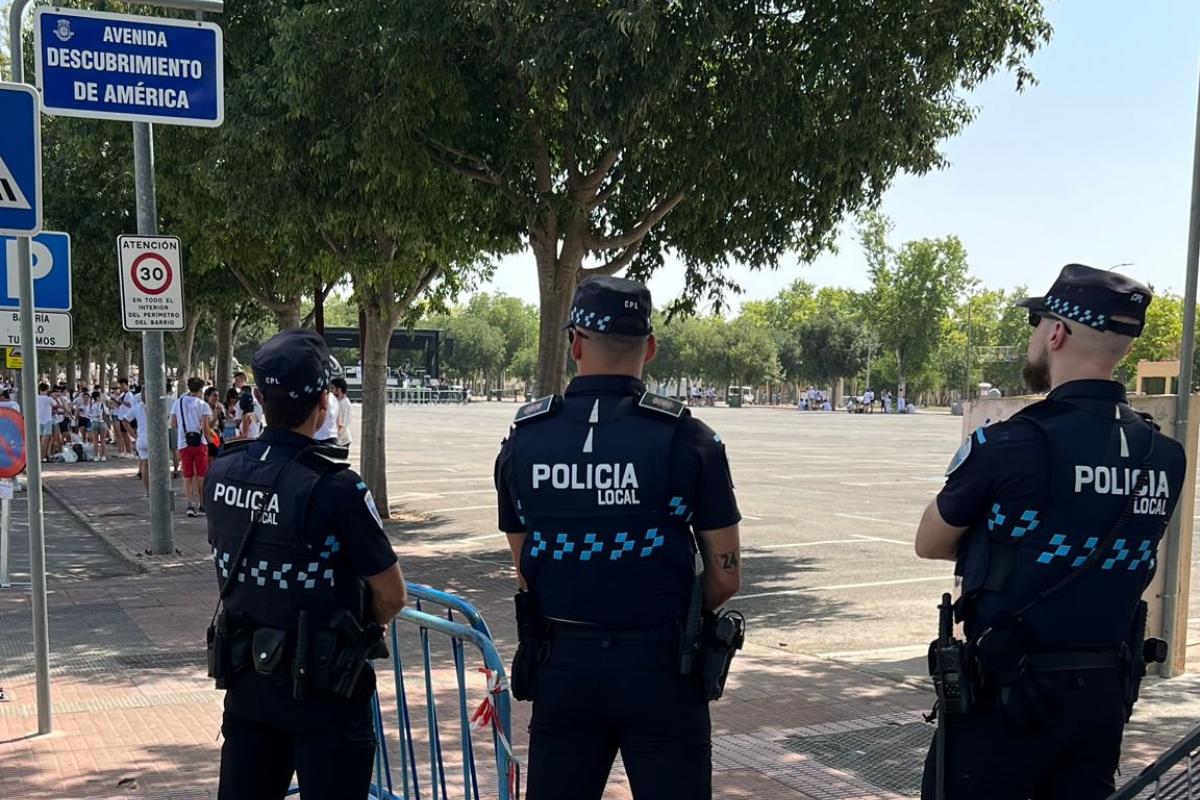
531,636
721,636
1136,654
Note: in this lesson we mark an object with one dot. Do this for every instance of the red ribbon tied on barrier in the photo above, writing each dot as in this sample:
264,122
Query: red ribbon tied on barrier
487,716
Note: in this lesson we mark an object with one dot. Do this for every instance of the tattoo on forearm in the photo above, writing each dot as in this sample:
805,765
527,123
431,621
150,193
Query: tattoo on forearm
728,561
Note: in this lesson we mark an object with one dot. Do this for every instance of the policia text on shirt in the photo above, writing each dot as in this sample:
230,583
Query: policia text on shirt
1053,519
607,494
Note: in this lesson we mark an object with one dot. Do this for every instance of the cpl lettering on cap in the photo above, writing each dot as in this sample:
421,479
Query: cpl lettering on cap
1137,297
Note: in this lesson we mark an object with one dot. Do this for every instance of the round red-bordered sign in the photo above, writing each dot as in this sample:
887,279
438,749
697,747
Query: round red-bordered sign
153,281
12,443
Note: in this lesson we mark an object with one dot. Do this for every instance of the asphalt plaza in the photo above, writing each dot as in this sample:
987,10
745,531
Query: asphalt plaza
830,504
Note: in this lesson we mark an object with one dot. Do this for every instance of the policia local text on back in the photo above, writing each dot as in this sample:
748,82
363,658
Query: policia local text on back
1053,519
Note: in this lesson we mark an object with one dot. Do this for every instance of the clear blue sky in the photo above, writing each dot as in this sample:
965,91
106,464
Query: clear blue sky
1091,165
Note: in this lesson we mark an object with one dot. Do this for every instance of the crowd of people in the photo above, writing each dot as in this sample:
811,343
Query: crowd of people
91,423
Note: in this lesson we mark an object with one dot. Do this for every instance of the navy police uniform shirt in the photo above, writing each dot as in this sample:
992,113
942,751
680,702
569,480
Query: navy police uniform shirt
607,486
1040,495
341,536
698,468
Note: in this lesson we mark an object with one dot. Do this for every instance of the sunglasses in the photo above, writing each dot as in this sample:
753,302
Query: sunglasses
572,333
1036,317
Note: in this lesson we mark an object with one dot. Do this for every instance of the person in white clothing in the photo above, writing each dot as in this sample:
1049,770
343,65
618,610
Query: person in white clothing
6,401
337,388
97,430
45,418
251,424
328,432
192,418
141,446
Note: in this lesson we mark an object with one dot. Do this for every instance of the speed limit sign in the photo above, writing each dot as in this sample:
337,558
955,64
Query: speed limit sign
151,283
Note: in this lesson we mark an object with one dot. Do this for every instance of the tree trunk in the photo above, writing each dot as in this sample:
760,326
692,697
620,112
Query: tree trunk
289,316
184,342
71,382
123,364
85,374
379,316
901,380
224,372
557,280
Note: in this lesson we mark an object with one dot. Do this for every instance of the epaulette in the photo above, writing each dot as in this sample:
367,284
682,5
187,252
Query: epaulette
541,407
662,405
334,455
233,447
1149,419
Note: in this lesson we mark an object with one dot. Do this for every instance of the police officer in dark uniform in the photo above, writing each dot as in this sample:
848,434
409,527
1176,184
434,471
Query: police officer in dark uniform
308,577
600,492
1054,518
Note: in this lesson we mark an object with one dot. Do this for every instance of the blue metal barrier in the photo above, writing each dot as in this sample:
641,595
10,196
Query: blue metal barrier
495,711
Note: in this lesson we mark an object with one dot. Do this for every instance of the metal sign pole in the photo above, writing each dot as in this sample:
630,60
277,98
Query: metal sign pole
1175,613
5,526
33,466
29,379
162,526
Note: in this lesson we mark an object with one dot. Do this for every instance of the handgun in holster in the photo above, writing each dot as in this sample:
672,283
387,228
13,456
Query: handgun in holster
531,629
1136,654
358,644
722,635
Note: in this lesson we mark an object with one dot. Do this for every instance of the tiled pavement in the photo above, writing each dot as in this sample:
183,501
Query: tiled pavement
136,718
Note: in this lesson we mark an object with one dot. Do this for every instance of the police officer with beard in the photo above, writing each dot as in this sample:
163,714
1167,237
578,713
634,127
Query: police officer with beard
307,578
1053,519
600,492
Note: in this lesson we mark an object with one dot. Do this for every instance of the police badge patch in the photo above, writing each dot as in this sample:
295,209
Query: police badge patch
370,501
961,456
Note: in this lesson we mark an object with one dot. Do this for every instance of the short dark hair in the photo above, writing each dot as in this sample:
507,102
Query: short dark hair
239,374
43,387
123,380
339,384
284,412
195,384
246,402
617,345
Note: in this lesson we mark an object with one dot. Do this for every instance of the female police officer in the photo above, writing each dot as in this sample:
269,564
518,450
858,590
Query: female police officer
1054,518
294,533
599,492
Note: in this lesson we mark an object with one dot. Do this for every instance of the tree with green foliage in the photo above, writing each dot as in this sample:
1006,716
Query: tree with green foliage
721,131
1161,339
914,289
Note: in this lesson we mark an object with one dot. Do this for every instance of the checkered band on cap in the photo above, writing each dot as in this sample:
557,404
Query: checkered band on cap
1069,310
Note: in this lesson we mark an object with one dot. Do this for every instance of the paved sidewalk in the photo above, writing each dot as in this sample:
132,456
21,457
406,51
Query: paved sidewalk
135,717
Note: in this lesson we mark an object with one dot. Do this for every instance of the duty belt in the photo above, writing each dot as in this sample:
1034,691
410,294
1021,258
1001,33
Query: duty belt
1071,660
582,630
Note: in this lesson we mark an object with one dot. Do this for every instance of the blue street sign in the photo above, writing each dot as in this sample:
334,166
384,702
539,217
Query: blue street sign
140,69
51,272
20,160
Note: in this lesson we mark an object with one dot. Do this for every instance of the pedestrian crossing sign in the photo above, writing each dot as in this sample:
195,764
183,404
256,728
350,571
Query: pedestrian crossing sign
20,160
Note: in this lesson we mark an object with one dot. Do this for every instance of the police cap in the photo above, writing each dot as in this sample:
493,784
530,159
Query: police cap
1093,297
612,305
293,363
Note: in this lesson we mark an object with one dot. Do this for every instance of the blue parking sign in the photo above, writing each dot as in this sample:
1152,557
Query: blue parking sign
20,160
138,69
51,255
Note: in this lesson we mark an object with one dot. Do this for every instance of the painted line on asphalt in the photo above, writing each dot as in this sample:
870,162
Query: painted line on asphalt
871,519
428,495
863,540
881,539
420,481
840,586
